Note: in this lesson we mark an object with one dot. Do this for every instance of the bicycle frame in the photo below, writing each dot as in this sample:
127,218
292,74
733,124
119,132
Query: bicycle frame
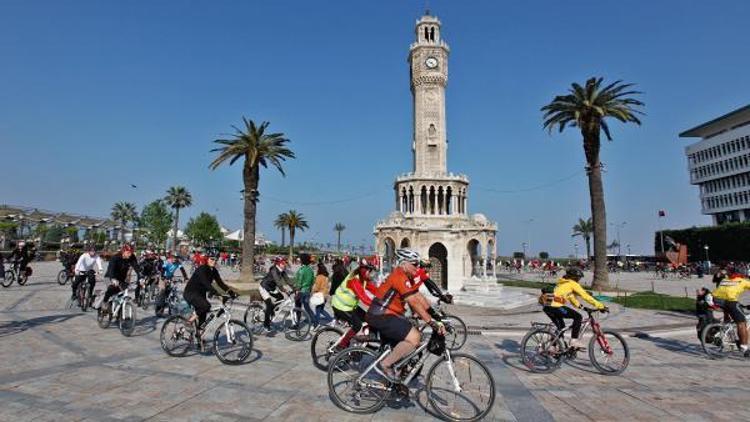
585,324
224,311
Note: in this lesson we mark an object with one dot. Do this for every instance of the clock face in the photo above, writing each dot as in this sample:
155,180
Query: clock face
431,62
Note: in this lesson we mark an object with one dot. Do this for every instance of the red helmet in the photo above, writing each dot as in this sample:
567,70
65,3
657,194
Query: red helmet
126,248
279,260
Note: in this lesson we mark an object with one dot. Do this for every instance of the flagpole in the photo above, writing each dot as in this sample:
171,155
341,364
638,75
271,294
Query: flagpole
661,230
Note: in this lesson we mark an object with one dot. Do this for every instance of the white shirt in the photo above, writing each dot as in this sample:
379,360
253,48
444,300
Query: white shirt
86,263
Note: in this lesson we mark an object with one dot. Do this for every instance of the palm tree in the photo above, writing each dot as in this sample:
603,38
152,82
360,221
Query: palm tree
296,221
258,148
339,228
584,228
586,108
281,223
177,197
123,212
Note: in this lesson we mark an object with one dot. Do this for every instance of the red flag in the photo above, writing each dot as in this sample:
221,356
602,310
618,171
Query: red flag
662,213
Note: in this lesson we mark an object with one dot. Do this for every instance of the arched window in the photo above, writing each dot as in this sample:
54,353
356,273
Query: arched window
426,33
423,201
441,201
432,200
411,199
449,201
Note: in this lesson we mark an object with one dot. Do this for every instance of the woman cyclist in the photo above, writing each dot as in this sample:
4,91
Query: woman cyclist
352,299
205,279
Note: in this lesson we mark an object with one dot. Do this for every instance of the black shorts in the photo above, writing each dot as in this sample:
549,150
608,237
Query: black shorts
198,302
392,329
732,308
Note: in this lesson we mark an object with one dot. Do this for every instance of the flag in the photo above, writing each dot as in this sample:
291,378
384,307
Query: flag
662,213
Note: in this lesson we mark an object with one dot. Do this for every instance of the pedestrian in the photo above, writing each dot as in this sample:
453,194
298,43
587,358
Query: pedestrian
304,280
339,274
320,291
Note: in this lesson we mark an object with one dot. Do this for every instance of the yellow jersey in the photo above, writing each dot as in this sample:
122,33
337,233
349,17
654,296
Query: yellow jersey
731,288
566,290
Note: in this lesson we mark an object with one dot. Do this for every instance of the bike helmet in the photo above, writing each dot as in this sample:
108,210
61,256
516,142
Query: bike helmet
573,273
407,255
363,263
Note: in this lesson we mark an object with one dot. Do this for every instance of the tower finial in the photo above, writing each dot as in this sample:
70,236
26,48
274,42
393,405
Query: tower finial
427,7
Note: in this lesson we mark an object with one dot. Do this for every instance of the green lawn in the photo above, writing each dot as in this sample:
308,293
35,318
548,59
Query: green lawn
657,301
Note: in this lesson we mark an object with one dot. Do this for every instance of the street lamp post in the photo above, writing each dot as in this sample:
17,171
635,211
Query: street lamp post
619,245
708,261
575,247
523,245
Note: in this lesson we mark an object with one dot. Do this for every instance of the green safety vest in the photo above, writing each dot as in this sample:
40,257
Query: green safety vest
344,299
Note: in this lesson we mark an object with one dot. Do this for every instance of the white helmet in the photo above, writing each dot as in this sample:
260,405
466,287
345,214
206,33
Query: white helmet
407,255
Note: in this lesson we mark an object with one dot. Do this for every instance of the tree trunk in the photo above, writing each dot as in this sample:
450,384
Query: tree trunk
291,246
174,232
283,237
338,243
251,178
598,212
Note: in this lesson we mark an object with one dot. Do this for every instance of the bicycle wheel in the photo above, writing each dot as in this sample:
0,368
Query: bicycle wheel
21,278
62,277
176,337
345,388
297,325
103,318
9,277
233,342
127,318
718,341
81,295
460,388
322,346
540,352
609,353
455,332
254,316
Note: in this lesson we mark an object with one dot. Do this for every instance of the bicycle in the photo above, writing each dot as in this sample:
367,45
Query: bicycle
66,274
327,342
459,387
122,308
82,294
544,348
295,321
14,273
10,275
456,332
720,339
171,299
233,340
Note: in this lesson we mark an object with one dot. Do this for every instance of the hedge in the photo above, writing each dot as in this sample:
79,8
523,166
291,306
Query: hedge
727,242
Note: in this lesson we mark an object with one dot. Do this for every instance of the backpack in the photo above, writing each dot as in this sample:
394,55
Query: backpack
548,295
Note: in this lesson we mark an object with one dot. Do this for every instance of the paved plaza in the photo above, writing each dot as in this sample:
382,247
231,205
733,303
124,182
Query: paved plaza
57,364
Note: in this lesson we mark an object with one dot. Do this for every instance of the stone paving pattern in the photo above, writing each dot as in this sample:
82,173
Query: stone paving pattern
59,365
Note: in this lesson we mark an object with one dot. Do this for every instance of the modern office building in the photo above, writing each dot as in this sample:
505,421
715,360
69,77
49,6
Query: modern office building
720,165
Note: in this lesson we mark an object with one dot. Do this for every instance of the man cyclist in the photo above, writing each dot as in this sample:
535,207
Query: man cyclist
727,296
303,281
386,313
352,299
21,256
84,269
565,291
205,279
270,289
169,269
118,269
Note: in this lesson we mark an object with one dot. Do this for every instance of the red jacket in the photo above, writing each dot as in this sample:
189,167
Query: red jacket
355,284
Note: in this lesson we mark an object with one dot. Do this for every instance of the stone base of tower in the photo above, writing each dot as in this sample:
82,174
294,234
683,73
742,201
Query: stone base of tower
458,248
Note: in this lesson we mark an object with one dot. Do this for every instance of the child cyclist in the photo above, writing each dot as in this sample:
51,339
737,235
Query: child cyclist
566,291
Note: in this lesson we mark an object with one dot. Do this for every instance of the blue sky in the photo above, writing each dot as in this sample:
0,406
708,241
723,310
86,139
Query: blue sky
97,95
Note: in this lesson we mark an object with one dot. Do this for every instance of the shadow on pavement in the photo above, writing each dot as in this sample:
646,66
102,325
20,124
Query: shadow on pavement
676,346
145,326
15,327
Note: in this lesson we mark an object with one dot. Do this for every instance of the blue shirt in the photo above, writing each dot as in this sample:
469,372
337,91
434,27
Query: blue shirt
170,269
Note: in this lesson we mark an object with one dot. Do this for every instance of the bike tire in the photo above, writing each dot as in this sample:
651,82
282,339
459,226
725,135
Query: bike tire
548,362
456,332
62,277
356,359
9,277
321,342
458,362
254,316
595,347
715,348
103,318
81,295
241,333
21,279
181,331
127,318
300,330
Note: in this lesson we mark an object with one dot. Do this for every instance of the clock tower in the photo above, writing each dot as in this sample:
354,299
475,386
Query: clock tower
432,204
428,64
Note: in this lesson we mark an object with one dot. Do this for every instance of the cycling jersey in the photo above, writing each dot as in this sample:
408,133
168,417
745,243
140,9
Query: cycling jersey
731,288
393,292
351,294
566,290
171,268
87,262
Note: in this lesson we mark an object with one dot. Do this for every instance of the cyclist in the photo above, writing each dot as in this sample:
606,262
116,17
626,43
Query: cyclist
21,256
118,269
303,281
386,313
352,299
205,279
168,271
565,291
270,289
727,296
85,269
